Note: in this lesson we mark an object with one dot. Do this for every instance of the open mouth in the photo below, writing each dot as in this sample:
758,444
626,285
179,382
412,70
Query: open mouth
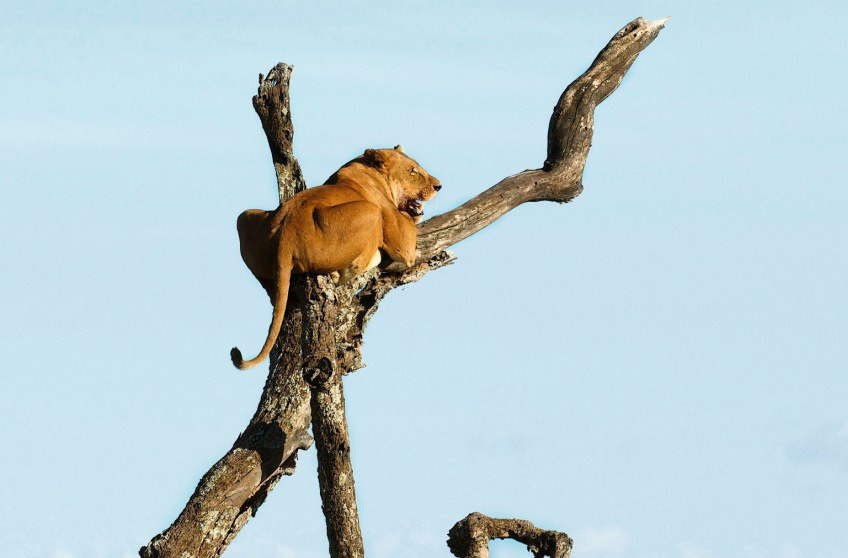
415,208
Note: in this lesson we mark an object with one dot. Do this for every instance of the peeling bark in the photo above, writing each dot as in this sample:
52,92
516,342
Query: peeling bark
234,488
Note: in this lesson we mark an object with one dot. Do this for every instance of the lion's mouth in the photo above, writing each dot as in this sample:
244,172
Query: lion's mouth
415,208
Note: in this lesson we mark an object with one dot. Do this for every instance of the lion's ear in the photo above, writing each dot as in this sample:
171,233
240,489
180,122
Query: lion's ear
400,148
373,158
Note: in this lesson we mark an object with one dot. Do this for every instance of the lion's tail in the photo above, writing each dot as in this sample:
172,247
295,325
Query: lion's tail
283,280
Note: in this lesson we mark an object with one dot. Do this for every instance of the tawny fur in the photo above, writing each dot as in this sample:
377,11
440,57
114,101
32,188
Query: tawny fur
368,207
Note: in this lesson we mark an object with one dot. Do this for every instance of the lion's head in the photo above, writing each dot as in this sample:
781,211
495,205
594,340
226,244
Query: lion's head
411,185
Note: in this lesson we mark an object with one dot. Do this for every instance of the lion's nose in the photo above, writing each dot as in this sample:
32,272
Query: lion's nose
437,187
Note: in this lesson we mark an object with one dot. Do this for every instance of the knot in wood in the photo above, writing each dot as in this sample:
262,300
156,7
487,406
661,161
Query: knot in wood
318,373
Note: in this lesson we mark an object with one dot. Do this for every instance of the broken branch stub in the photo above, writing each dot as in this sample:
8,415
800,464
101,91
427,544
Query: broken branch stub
470,536
272,105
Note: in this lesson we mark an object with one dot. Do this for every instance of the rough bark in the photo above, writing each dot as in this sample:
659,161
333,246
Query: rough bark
329,425
470,537
569,139
233,489
271,103
229,494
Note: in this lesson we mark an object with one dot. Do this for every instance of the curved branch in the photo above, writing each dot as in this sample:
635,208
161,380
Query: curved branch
571,125
569,139
470,537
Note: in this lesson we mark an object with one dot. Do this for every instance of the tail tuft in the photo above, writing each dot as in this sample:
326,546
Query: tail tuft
281,295
238,361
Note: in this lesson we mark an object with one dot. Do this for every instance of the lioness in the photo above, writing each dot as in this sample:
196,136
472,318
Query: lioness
368,206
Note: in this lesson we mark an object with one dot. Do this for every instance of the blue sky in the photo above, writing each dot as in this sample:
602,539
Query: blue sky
658,369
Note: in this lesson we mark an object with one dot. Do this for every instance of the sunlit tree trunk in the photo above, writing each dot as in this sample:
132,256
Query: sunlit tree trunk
324,324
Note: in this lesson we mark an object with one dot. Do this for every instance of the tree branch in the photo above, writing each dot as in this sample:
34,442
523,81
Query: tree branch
234,488
329,423
569,138
229,494
470,537
271,103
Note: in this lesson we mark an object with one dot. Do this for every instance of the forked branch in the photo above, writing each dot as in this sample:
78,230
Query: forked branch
230,493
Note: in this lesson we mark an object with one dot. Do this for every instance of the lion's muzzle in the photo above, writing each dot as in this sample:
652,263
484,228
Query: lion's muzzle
415,208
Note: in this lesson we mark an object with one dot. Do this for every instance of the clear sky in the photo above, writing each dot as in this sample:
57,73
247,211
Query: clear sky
658,369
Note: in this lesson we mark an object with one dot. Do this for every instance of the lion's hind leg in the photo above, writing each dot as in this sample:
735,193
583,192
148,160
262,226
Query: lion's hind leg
351,235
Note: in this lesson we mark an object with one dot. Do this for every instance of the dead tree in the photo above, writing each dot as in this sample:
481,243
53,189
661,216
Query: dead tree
322,335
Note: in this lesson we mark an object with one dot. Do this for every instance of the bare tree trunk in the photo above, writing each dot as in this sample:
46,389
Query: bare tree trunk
234,488
335,473
329,425
229,494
